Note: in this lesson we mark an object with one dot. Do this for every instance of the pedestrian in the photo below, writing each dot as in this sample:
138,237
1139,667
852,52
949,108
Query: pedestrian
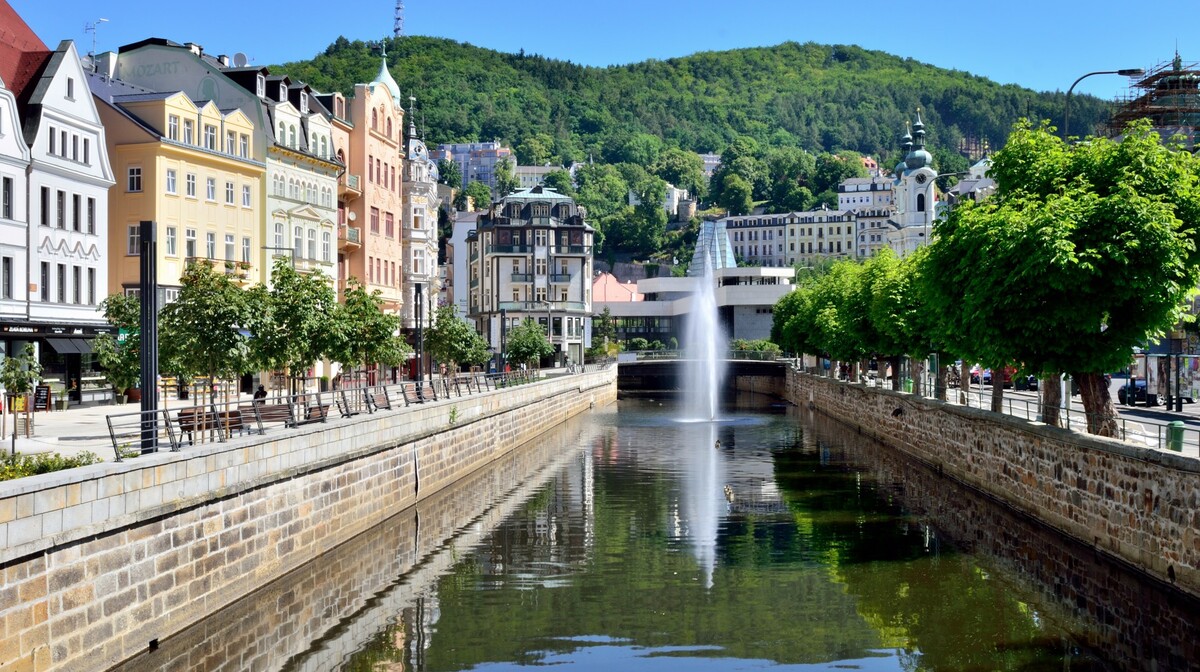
260,394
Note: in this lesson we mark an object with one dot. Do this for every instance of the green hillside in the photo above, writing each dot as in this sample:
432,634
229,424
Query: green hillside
816,97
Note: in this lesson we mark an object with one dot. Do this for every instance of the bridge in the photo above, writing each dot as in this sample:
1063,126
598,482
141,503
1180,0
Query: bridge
663,370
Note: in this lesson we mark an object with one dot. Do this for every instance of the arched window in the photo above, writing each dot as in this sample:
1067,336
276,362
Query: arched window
920,202
282,133
324,147
298,242
370,168
278,234
389,127
292,135
312,243
374,120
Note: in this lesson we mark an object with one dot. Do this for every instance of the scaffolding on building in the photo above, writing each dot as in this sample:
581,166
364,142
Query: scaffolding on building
1169,96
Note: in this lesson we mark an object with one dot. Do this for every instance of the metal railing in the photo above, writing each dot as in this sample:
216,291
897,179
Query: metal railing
218,421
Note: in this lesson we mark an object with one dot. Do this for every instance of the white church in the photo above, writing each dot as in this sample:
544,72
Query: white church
915,195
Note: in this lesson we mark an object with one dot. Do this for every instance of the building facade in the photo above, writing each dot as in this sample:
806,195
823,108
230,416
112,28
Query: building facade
206,203
420,176
531,257
791,238
476,160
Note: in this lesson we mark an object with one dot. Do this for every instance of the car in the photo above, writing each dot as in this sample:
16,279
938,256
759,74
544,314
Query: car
1138,395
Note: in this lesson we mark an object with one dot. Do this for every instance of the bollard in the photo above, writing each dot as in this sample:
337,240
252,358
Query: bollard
1175,436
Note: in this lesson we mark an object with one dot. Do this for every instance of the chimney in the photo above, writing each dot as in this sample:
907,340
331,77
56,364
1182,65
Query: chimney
106,64
223,60
194,48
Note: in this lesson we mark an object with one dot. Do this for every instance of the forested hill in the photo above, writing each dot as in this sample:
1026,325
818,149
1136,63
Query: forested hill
813,96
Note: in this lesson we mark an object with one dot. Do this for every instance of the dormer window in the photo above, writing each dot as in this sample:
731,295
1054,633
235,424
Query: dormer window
303,103
260,86
282,92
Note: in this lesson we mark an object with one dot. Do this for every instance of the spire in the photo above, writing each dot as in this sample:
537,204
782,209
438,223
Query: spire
385,78
412,116
919,131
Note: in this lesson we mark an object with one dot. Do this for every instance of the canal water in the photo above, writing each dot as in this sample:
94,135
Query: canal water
627,540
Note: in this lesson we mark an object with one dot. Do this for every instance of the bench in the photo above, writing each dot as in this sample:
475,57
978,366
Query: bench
194,419
378,398
264,412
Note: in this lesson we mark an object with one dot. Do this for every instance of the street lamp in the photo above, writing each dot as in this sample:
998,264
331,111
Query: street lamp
420,344
1124,72
503,338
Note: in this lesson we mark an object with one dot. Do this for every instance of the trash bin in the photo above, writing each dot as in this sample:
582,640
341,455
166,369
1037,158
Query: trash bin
1175,436
908,385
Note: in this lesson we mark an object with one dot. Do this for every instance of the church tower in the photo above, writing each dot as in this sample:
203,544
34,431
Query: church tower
916,195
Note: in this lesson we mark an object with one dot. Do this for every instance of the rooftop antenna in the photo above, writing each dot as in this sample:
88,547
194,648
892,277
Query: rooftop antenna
90,27
398,29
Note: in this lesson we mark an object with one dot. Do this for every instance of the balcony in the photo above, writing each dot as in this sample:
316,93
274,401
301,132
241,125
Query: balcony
349,185
560,278
349,238
522,277
556,307
572,250
509,249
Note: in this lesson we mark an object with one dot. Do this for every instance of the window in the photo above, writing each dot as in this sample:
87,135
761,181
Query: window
62,210
45,282
389,226
210,245
6,278
76,212
210,137
53,139
190,184
370,168
189,243
70,88
62,140
312,243
374,220
230,247
76,284
260,86
229,193
245,195
134,180
62,283
6,198
244,146
326,246
298,242
45,206
173,127
210,191
86,153
91,286
920,202
132,240
171,181
292,135
539,266
171,242
188,127
246,249
74,147
230,142
278,236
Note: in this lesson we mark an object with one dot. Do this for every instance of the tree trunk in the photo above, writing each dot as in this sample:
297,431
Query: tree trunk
941,385
964,383
916,371
1097,404
997,389
1051,393
895,366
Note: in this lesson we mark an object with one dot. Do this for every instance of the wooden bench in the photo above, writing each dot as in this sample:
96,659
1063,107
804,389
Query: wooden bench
378,398
264,412
194,419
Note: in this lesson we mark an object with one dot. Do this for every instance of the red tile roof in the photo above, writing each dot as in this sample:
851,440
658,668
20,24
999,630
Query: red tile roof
22,52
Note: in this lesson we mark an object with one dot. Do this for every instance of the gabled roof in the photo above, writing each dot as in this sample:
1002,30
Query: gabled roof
22,54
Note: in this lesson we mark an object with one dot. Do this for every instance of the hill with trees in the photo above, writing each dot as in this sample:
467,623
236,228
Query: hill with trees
810,96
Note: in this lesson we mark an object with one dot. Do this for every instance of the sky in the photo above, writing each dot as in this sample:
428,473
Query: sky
1040,45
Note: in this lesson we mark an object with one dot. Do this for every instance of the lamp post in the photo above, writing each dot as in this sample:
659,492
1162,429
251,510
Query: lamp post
549,328
503,338
1124,72
420,343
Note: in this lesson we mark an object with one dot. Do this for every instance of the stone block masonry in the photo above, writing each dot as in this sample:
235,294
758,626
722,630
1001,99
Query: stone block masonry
1139,506
99,562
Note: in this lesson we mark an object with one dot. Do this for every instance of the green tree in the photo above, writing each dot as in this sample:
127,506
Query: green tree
480,195
18,375
295,323
527,343
560,181
506,179
453,341
535,150
736,195
1084,252
121,359
683,169
449,173
203,330
368,334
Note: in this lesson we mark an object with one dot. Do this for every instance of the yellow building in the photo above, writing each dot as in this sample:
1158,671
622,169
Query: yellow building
188,166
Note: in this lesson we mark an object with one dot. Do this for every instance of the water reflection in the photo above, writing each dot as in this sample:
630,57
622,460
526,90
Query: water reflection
794,544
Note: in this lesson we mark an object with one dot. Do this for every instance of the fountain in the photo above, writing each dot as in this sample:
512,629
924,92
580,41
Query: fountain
704,350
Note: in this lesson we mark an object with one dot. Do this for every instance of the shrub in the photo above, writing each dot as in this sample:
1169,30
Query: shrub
43,463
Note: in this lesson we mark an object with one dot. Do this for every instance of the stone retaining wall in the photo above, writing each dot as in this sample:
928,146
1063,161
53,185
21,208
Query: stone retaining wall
100,561
1136,504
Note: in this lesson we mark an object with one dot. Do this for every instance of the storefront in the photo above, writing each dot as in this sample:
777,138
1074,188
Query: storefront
65,353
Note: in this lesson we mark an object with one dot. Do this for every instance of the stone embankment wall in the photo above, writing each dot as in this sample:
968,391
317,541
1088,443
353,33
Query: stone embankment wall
1139,505
101,562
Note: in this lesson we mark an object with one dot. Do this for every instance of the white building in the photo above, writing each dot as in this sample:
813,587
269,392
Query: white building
790,238
420,239
14,221
865,193
671,199
915,195
476,160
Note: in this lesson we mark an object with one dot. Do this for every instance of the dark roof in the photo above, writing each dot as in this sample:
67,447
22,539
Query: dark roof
150,41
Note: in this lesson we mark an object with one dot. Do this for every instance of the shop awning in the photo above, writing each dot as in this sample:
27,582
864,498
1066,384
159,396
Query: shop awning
63,346
84,345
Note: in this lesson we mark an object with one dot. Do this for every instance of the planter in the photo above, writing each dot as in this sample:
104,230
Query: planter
120,399
135,394
60,404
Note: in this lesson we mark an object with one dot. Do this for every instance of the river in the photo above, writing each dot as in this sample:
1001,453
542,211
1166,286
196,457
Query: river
627,540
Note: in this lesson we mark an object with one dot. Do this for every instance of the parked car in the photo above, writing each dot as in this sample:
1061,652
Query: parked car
1138,395
1026,383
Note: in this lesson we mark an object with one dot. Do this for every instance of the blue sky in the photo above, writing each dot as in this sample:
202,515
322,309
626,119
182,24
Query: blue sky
1041,45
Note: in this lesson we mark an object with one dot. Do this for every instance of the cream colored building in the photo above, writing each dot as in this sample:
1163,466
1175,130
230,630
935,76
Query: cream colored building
189,168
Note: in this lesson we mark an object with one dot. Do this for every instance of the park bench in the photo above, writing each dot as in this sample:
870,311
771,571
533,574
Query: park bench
196,419
377,397
264,412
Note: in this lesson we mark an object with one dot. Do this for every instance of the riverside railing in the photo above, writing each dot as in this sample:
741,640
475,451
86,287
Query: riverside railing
219,421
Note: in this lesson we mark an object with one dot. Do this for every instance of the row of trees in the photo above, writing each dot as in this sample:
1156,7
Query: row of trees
217,329
1085,251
